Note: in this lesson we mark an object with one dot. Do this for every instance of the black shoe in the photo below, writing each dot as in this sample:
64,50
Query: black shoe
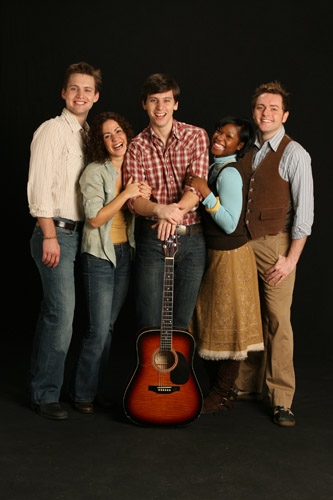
50,410
283,416
84,406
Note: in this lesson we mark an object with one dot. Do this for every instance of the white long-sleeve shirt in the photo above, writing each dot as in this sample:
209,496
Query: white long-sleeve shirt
56,163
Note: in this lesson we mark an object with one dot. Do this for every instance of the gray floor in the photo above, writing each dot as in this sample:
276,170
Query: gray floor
237,455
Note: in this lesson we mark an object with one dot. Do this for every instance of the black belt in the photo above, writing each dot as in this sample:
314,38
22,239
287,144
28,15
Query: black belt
191,229
72,226
181,229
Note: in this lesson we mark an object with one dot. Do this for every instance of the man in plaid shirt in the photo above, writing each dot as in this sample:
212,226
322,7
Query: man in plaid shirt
163,154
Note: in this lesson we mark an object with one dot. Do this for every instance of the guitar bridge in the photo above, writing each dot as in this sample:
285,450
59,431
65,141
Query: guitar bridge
163,389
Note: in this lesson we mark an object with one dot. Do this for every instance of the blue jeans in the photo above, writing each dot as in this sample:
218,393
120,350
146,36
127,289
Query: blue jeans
106,290
54,327
189,264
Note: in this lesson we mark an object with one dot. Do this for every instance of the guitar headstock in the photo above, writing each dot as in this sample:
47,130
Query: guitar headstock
170,246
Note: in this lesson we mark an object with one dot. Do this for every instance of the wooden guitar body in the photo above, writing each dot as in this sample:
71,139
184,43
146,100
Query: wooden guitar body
163,390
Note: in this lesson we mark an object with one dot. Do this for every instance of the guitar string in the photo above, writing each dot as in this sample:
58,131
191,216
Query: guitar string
170,248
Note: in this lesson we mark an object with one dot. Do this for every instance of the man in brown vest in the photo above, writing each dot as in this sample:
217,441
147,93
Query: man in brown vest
279,218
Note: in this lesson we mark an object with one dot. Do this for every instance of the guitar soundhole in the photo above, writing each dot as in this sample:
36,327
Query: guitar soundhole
164,361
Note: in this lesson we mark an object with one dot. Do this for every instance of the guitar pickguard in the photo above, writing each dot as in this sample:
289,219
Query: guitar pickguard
181,373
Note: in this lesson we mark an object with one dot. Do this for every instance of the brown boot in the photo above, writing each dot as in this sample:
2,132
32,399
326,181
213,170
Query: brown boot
216,401
219,397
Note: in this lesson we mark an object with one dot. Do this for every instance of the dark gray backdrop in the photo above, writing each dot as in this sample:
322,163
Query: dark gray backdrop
219,52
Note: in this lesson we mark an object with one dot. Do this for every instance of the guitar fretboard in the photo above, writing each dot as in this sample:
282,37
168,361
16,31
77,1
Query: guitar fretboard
167,305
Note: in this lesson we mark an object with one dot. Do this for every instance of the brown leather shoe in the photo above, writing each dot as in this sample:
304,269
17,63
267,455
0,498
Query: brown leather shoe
50,410
84,406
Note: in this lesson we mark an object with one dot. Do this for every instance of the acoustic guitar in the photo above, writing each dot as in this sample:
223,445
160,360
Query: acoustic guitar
163,390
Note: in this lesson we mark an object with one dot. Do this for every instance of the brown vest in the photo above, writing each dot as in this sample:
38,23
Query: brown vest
268,210
215,237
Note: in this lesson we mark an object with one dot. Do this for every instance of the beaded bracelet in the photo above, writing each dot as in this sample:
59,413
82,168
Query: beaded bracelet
50,237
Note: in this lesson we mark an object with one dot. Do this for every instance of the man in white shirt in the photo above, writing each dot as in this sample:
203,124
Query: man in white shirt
56,163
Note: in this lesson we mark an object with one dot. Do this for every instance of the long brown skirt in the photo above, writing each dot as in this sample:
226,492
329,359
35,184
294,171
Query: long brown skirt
226,323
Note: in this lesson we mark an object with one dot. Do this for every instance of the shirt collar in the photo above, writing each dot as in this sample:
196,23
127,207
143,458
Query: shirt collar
175,131
273,142
72,121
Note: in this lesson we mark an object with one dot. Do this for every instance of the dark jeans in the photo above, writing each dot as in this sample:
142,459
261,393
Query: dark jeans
189,264
106,289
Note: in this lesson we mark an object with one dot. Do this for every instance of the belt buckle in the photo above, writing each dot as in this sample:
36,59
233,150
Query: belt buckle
181,229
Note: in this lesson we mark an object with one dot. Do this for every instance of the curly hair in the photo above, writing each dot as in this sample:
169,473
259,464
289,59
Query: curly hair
95,148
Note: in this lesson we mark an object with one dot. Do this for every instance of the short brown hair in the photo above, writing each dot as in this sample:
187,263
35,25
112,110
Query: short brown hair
159,83
272,88
85,69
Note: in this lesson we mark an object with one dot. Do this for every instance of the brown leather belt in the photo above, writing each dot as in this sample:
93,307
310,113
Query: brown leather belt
181,229
75,226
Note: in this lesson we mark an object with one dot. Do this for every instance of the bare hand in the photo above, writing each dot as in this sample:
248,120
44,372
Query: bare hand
137,188
164,229
172,213
51,252
132,188
277,273
198,183
145,190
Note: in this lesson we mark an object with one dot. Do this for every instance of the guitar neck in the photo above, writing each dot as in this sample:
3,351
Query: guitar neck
167,305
